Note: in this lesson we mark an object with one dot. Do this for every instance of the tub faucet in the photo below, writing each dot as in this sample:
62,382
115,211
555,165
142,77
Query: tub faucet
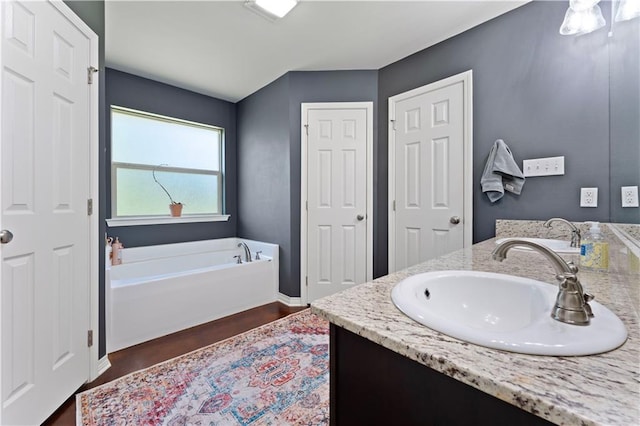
575,232
572,303
247,252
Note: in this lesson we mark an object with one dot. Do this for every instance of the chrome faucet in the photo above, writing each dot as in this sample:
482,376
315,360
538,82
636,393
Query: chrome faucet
572,303
247,252
575,232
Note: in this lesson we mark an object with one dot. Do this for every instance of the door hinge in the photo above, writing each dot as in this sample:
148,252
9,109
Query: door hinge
306,129
393,124
89,206
90,72
394,205
306,205
90,338
306,280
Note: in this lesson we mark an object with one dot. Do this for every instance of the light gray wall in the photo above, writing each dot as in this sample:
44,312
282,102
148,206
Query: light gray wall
543,93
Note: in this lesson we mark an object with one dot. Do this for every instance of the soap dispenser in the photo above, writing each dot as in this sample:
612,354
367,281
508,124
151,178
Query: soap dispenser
116,252
594,250
108,251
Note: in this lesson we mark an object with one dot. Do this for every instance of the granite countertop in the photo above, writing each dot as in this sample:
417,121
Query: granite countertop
591,390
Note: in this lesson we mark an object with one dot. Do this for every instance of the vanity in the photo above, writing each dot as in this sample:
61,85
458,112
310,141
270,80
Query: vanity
388,369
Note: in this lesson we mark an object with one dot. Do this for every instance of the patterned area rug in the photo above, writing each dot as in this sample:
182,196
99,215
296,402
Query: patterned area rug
277,374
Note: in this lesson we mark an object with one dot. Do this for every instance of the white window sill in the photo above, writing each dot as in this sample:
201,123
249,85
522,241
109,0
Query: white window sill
164,220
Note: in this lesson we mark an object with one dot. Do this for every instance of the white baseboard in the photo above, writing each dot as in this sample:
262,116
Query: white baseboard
98,367
290,301
103,364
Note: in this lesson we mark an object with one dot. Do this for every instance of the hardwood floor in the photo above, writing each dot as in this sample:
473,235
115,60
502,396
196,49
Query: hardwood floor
152,352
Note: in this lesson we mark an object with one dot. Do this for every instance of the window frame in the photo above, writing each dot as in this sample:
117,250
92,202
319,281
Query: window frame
128,220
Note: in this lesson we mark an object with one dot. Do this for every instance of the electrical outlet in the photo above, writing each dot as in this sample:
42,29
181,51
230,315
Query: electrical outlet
588,197
548,166
629,196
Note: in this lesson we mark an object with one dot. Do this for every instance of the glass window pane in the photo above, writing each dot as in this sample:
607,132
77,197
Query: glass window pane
152,141
139,195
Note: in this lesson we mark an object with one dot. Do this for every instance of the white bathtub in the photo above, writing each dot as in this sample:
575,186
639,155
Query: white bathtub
162,289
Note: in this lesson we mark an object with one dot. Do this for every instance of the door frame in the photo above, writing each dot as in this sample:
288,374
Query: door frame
467,116
305,107
96,366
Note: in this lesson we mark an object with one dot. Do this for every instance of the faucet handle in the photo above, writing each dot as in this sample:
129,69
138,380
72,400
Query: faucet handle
258,254
239,259
588,298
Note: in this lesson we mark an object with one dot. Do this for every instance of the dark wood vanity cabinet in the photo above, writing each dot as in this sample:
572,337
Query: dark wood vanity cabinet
372,385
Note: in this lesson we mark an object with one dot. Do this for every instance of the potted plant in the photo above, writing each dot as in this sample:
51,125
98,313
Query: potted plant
175,207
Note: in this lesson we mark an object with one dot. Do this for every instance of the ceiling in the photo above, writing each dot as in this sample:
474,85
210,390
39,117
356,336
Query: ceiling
225,50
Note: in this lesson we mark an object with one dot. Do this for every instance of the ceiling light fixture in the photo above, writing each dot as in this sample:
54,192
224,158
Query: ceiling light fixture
271,9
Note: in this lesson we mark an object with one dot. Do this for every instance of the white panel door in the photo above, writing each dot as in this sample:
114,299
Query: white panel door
45,168
428,157
337,200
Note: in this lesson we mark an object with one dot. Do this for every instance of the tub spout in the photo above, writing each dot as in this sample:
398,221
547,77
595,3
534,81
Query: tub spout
247,252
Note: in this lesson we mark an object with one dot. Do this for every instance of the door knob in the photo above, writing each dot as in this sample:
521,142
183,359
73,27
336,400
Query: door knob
360,217
454,220
5,236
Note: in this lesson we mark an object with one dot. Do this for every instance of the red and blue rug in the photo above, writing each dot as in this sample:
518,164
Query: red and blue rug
277,374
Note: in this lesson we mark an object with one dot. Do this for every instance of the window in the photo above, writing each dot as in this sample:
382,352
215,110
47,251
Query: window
185,157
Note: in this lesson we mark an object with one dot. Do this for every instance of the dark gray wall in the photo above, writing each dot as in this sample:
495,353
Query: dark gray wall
139,93
326,86
92,13
269,132
264,185
625,116
543,93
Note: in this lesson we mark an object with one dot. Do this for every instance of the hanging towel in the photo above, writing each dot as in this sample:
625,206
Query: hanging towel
501,173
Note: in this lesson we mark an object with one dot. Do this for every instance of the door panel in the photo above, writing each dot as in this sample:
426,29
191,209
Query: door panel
45,157
429,170
337,200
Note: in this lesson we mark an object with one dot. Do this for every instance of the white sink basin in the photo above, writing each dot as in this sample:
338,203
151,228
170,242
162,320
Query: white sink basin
503,312
559,246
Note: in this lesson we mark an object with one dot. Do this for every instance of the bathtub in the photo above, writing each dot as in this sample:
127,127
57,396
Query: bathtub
158,290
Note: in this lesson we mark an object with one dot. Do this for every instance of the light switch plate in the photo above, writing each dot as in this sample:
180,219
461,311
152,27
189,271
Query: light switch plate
588,197
629,196
548,166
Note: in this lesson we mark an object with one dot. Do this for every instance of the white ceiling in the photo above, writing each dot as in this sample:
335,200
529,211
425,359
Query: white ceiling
223,49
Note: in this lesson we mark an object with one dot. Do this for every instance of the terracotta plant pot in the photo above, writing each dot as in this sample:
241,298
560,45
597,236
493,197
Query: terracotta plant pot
176,209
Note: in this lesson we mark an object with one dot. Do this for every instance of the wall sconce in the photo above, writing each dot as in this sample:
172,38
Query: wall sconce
582,17
585,16
271,9
627,9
